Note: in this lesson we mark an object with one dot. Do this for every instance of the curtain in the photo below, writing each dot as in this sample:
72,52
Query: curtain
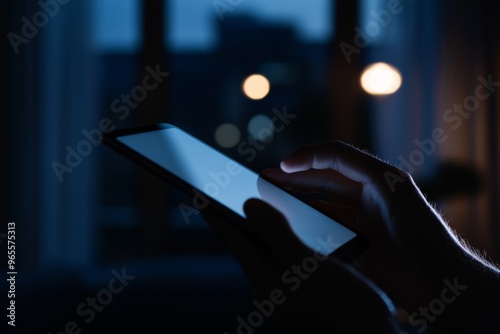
468,57
52,101
444,51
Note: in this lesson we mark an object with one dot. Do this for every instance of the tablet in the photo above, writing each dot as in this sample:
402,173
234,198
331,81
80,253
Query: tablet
213,178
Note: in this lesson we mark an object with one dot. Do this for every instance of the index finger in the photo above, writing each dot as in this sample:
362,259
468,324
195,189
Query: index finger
324,181
339,156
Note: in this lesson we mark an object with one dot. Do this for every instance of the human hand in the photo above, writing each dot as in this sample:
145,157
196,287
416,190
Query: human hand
413,250
302,290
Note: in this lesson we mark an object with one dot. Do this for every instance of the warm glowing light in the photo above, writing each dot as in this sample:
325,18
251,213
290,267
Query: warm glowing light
381,79
227,135
256,87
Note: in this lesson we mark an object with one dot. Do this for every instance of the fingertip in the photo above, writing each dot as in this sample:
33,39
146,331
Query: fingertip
298,161
288,167
283,166
251,206
259,211
255,209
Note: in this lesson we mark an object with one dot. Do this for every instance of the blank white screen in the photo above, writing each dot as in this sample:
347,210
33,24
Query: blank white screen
232,184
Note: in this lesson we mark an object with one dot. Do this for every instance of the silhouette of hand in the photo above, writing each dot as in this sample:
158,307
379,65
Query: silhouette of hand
414,252
301,290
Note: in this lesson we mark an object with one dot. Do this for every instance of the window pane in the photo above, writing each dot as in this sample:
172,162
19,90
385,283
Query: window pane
116,25
193,24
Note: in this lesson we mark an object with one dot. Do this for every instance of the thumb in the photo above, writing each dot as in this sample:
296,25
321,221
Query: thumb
273,228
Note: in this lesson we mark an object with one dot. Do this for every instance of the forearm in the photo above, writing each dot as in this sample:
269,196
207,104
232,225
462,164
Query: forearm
462,288
465,293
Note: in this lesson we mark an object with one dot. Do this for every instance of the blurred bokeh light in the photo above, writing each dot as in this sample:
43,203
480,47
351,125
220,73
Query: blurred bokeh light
256,87
381,79
227,135
261,128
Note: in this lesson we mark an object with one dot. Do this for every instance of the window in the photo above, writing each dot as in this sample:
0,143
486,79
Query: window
116,25
193,25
